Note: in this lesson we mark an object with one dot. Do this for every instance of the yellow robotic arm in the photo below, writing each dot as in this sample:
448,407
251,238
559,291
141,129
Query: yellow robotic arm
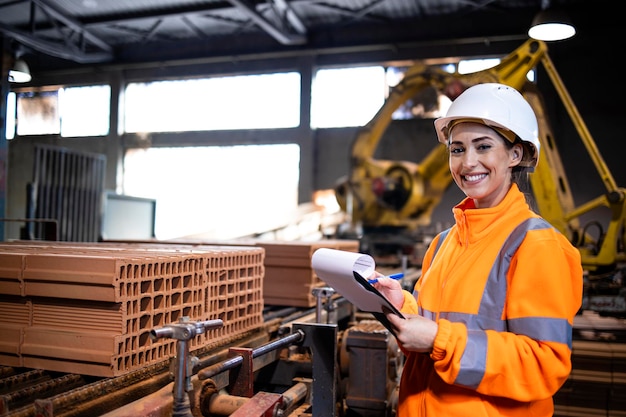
400,196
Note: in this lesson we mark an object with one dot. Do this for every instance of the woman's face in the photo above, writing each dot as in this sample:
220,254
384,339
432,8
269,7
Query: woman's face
481,163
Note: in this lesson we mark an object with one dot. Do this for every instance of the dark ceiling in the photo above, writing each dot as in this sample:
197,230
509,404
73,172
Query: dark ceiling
55,34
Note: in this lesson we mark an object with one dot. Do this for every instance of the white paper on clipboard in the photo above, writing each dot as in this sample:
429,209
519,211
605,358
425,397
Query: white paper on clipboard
339,268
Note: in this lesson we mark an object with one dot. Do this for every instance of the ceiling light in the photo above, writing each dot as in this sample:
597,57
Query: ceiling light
19,73
551,25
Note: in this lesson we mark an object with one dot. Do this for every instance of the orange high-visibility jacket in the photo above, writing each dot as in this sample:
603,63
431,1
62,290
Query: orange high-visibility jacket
504,298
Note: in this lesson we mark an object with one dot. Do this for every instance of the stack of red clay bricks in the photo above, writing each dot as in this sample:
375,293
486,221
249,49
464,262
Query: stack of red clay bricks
88,308
289,277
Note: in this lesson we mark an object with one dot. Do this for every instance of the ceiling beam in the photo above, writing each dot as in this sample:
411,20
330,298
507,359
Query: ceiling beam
280,35
68,49
51,11
54,49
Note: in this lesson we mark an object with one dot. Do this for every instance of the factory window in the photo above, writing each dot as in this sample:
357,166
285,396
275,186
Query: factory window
11,106
219,192
70,112
85,111
220,103
37,113
343,97
474,65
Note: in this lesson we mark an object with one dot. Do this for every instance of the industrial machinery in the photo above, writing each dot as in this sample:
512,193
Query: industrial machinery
327,361
390,202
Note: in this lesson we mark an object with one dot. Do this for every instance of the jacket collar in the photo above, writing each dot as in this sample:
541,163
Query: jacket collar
474,224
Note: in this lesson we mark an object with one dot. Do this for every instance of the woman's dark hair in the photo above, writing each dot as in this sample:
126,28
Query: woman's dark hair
520,175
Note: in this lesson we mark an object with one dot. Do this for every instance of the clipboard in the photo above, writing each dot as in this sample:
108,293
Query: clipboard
345,272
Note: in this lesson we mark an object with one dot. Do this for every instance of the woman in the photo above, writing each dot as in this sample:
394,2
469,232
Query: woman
488,328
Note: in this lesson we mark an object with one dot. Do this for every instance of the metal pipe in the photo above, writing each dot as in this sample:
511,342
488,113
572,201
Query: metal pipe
294,395
183,332
225,404
237,360
181,400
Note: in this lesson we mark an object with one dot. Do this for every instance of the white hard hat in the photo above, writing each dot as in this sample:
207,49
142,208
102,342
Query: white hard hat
500,107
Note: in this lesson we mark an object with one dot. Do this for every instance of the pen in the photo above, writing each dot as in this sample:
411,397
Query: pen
392,276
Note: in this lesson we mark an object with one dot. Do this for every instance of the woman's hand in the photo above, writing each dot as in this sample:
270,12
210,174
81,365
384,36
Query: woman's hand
414,332
390,288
